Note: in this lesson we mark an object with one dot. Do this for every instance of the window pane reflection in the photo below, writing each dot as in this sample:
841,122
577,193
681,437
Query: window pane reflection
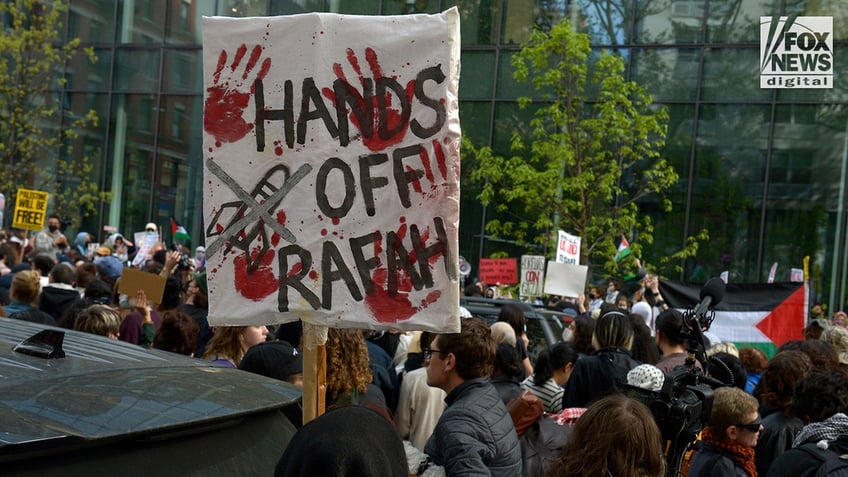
92,20
668,74
185,21
730,161
732,74
478,71
141,22
183,71
137,70
608,22
478,20
678,21
738,21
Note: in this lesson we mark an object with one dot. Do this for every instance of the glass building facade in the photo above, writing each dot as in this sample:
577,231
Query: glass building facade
764,170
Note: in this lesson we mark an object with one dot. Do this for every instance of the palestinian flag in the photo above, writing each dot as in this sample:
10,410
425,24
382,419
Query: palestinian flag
760,315
178,232
623,250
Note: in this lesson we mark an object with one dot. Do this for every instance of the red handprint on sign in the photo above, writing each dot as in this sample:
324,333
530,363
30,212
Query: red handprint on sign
389,123
229,95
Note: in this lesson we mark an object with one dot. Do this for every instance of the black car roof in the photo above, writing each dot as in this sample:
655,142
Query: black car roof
106,389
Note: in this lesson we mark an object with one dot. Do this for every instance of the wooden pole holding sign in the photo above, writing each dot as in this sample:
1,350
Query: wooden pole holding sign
314,371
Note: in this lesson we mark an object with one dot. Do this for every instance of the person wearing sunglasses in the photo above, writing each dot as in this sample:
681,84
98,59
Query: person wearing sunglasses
730,436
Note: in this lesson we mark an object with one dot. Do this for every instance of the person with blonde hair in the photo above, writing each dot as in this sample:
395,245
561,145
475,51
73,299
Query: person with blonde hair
616,436
730,436
23,293
99,320
502,332
229,344
837,337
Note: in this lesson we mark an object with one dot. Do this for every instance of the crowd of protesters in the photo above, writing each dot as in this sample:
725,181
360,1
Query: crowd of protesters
471,403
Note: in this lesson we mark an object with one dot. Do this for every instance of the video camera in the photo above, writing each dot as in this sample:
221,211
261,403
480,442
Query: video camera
683,405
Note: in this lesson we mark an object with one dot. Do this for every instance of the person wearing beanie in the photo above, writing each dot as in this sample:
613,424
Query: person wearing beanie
349,441
728,369
274,359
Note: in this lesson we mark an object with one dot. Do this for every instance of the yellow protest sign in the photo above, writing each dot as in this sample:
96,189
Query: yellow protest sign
30,209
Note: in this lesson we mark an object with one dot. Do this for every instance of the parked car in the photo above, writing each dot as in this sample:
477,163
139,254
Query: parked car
544,327
73,403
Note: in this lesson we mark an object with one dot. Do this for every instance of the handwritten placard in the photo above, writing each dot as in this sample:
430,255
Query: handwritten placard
502,271
331,170
30,209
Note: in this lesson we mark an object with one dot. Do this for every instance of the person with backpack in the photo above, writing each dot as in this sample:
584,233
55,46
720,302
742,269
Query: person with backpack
821,448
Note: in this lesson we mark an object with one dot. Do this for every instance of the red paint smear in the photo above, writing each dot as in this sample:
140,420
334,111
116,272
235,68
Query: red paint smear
394,309
393,116
278,151
385,308
219,228
416,184
440,159
295,269
428,171
259,284
281,219
240,52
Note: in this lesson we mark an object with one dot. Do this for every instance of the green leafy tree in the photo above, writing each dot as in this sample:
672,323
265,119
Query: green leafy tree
37,144
591,153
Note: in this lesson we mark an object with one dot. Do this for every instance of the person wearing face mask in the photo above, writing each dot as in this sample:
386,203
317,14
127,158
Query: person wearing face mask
50,240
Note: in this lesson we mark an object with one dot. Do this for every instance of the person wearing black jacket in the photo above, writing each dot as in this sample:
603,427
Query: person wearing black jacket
604,371
60,292
821,400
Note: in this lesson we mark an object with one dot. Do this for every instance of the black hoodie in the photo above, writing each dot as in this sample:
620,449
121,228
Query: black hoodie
54,300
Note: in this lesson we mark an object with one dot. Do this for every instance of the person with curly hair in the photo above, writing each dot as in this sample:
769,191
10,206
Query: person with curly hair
780,426
616,436
730,436
348,367
229,344
821,401
177,333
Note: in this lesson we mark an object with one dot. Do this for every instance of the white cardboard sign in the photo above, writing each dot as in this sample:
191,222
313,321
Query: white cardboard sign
565,279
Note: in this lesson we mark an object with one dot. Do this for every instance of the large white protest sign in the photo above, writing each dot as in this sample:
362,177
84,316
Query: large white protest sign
565,279
331,170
